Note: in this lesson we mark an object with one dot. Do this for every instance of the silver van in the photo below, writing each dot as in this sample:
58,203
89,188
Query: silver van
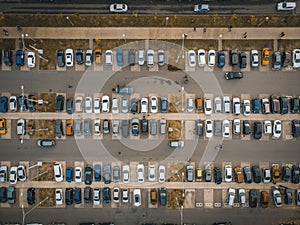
176,143
226,104
153,127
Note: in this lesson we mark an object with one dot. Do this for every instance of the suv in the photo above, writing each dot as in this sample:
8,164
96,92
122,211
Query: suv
233,75
88,175
234,58
283,105
236,106
218,175
252,198
106,174
189,173
294,105
243,60
60,100
295,174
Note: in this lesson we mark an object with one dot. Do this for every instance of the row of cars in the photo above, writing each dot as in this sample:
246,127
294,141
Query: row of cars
20,58
87,57
278,58
246,174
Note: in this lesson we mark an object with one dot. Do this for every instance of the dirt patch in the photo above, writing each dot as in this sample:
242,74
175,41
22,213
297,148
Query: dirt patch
175,198
46,172
174,129
175,172
247,45
288,44
7,43
174,103
137,20
47,193
50,98
45,134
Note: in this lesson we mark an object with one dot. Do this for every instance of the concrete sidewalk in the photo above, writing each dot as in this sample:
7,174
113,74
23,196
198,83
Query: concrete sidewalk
142,33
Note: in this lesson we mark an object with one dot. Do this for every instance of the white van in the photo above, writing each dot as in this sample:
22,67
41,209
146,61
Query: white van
226,104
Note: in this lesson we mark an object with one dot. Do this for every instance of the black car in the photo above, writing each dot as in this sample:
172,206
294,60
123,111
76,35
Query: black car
246,127
58,128
256,174
88,175
60,100
296,128
79,56
69,105
69,196
162,196
243,60
31,102
77,195
134,106
218,175
257,130
31,196
247,174
234,57
60,58
284,105
233,75
288,196
294,105
144,126
87,194
221,59
8,58
131,57
252,198
295,174
97,172
286,173
106,195
3,194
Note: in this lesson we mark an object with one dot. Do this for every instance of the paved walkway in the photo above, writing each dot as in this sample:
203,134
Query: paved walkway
153,33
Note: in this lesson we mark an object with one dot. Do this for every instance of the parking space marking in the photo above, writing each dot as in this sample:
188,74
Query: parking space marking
264,68
189,199
189,130
208,68
133,171
60,69
98,67
208,198
5,67
80,67
286,130
227,67
136,68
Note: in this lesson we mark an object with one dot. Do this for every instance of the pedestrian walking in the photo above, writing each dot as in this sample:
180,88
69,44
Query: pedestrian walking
245,36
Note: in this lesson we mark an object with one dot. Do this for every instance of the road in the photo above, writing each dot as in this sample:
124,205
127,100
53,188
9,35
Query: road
141,7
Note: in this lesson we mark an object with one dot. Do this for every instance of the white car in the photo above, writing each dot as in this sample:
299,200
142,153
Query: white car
247,107
108,57
296,58
236,126
13,175
21,127
192,58
161,173
286,6
254,58
78,174
115,106
228,173
105,103
226,131
230,196
190,105
69,57
201,57
207,106
141,59
118,8
226,104
151,173
201,8
267,127
277,198
266,175
125,173
124,105
116,194
218,105
276,129
208,128
242,196
137,197
97,105
144,105
96,197
211,57
78,104
13,103
88,57
153,105
21,173
58,196
58,173
31,59
97,126
150,58
88,104
125,197
3,174
140,173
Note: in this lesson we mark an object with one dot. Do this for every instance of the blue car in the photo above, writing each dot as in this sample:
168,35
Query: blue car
20,56
77,196
69,174
164,104
256,105
97,172
120,60
3,104
221,59
23,103
106,195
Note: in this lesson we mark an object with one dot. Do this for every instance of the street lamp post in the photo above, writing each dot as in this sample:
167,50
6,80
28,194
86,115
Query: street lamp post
24,214
182,102
167,19
70,21
27,35
124,37
266,19
23,43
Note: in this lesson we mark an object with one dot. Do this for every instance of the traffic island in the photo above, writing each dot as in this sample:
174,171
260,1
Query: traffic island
46,197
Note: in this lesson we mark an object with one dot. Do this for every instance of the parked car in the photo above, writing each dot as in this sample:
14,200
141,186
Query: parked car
105,103
31,196
78,174
13,175
3,174
21,126
266,175
266,108
294,102
275,173
88,175
137,197
226,131
242,196
69,57
108,57
144,105
20,57
252,198
256,174
7,56
115,106
228,173
150,58
151,173
276,129
88,57
247,174
246,127
79,56
131,57
164,104
161,57
234,58
3,194
276,60
284,105
21,173
30,59
267,127
208,128
106,174
23,103
254,58
60,58
96,197
118,8
264,199
265,59
295,174
201,57
211,57
238,174
140,173
58,196
286,6
3,104
217,175
69,196
58,173
98,55
243,60
189,173
286,173
97,172
296,58
201,8
116,193
288,196
141,59
277,198
60,101
192,58
69,105
230,196
87,194
221,59
77,195
11,195
162,196
106,195
125,173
